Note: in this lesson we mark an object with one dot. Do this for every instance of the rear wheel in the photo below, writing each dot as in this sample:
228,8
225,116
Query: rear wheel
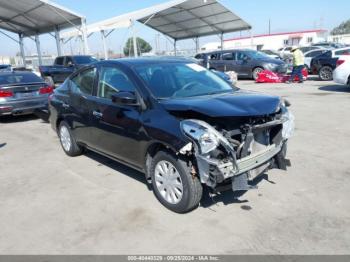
326,73
68,143
348,83
173,184
256,72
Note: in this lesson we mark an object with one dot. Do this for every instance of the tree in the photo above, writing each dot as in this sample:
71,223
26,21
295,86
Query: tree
142,46
342,29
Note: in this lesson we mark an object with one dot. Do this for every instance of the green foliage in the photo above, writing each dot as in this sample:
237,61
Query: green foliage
143,47
342,29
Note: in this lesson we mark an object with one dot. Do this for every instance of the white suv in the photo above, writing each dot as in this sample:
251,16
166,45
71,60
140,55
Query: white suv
341,74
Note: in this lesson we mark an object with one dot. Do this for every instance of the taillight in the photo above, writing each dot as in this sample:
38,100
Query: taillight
340,62
5,93
46,90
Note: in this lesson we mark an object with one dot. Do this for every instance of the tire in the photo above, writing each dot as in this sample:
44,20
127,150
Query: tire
49,81
348,83
256,71
68,143
326,73
183,191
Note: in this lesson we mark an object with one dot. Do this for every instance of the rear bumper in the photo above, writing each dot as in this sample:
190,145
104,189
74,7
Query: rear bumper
22,107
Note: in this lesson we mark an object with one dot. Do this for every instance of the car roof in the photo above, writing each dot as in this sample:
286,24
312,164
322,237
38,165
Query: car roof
17,73
147,60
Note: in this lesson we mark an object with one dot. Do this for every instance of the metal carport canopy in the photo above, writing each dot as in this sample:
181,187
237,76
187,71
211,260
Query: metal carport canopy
33,17
185,19
178,19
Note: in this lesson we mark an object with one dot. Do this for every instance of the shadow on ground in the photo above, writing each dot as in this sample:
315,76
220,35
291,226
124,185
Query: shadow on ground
229,197
123,169
16,119
335,88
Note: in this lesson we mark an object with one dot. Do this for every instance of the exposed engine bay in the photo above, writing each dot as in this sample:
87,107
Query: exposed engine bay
235,150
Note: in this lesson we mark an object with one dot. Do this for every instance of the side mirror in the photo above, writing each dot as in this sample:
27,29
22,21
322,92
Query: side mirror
125,98
70,64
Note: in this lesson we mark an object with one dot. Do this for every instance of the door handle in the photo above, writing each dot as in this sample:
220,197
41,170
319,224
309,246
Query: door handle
65,105
97,114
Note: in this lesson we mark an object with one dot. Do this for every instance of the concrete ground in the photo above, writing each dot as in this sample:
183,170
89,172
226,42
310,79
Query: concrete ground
53,204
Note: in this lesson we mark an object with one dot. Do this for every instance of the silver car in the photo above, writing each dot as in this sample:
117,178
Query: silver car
22,93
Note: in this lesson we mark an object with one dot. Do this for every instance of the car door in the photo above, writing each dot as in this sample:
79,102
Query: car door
81,102
228,60
57,70
244,64
116,128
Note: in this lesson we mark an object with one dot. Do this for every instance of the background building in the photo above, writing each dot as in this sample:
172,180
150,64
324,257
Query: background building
271,41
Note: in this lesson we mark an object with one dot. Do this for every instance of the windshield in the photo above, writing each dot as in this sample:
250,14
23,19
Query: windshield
83,60
256,55
18,78
180,80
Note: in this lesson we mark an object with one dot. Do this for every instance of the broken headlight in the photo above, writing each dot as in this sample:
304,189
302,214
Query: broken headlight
289,125
206,137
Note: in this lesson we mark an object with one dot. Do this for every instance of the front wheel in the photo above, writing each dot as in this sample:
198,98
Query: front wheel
256,72
326,73
173,184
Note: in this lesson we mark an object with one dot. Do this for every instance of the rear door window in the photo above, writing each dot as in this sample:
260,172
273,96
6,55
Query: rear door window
113,80
343,52
228,56
83,83
59,61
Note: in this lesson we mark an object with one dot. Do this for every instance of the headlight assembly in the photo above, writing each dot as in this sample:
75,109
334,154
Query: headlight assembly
205,136
289,125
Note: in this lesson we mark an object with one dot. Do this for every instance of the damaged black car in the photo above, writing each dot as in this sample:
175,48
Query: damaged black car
177,122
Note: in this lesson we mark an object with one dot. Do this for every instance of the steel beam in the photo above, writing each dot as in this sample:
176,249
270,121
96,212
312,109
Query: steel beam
21,47
197,44
38,49
175,51
84,37
105,51
222,41
58,41
134,39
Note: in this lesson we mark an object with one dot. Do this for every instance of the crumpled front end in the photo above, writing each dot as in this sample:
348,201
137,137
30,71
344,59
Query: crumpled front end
232,152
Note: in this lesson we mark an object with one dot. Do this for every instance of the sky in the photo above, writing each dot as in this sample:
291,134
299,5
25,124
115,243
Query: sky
285,16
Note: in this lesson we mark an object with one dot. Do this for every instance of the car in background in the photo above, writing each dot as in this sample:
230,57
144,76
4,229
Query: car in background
341,74
63,67
246,63
175,121
306,49
271,53
5,68
324,64
308,56
22,93
329,45
285,52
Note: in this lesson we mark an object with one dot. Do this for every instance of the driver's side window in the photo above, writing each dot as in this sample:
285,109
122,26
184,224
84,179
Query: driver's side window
112,80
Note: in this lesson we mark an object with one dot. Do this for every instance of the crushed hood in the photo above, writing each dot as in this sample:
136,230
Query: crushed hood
226,105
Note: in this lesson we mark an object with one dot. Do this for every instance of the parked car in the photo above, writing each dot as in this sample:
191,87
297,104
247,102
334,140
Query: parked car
245,62
175,121
22,93
64,66
306,49
324,64
271,53
5,68
341,74
285,52
329,45
310,55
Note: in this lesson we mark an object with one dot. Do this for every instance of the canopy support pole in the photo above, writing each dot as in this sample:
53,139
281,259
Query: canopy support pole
103,37
84,37
175,51
222,41
197,44
134,39
58,41
21,46
251,39
38,49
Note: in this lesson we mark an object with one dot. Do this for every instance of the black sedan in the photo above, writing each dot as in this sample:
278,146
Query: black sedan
175,121
22,93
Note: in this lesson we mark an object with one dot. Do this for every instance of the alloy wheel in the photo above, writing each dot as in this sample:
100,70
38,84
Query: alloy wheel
65,138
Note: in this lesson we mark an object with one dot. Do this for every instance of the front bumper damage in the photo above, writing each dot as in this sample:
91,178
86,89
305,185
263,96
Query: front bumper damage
263,147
